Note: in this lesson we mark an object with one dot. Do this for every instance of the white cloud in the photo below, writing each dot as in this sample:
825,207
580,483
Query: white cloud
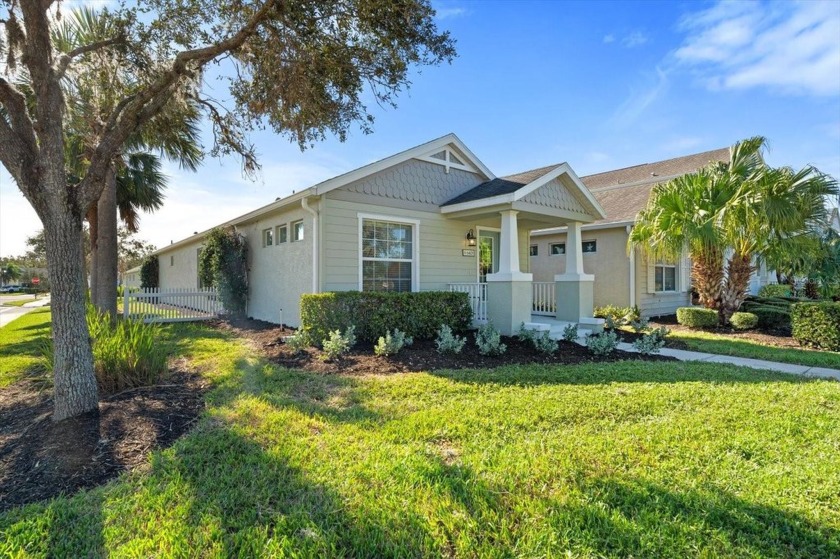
634,39
442,12
793,48
609,39
639,101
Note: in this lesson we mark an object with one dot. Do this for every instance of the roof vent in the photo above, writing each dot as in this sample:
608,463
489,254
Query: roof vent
654,174
276,199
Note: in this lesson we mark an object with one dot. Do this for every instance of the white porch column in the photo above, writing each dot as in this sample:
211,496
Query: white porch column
509,291
575,290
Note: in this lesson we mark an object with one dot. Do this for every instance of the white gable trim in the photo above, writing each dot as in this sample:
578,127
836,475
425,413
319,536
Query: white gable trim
563,169
418,152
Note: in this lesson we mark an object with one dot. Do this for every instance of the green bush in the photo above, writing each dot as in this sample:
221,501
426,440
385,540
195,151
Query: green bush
771,317
419,315
616,316
223,264
775,290
126,353
817,324
697,317
150,273
447,342
391,344
602,344
489,340
744,320
337,344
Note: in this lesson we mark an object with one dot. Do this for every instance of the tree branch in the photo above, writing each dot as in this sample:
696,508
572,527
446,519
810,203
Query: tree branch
65,59
21,125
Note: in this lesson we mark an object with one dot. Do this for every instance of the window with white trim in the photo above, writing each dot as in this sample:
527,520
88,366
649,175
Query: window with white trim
387,255
557,249
297,230
282,233
534,250
268,237
665,277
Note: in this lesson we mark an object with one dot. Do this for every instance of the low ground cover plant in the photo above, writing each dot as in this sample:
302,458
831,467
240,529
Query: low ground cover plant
544,344
652,342
299,341
391,344
489,340
603,343
697,317
817,324
570,332
447,342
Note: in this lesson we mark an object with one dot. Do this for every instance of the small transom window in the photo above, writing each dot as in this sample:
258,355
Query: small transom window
589,246
534,251
558,249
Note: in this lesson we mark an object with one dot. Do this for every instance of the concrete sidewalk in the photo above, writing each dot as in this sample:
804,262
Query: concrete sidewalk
43,302
683,355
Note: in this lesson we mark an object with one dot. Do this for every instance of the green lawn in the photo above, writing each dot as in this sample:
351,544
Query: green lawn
20,343
725,345
613,460
18,303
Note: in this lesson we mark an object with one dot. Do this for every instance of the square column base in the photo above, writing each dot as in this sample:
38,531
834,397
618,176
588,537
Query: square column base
509,304
575,296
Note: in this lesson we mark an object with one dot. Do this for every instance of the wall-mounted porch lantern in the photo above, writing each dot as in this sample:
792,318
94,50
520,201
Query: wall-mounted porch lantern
470,238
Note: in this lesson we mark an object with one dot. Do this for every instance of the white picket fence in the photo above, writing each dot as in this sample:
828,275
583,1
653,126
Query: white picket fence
545,298
477,293
171,305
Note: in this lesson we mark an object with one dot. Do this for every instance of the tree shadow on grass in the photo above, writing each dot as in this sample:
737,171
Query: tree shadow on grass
619,372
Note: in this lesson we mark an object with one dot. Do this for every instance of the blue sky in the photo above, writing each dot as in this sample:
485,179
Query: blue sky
601,85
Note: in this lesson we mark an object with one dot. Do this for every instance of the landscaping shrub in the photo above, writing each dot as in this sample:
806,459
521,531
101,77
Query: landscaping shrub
391,344
817,324
223,264
419,315
447,342
602,344
697,317
126,353
652,342
489,341
526,334
544,344
299,341
150,273
744,320
771,317
570,332
338,344
774,290
639,325
615,316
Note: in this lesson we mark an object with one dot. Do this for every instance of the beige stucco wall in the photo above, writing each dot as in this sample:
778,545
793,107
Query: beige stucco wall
179,267
610,264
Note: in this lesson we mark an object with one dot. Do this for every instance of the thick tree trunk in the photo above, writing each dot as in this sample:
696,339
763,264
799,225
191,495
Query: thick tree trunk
74,378
105,270
738,272
93,228
707,277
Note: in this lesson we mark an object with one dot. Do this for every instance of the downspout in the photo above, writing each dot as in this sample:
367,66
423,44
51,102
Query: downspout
315,246
632,270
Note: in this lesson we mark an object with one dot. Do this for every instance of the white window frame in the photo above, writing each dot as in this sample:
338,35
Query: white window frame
536,251
664,265
285,228
293,226
551,249
265,234
415,246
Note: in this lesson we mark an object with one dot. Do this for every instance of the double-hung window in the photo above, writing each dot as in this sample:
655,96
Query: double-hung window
297,230
282,234
268,237
665,277
388,249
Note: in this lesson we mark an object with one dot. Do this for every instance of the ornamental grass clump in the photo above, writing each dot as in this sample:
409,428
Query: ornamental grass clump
391,344
489,340
338,344
447,342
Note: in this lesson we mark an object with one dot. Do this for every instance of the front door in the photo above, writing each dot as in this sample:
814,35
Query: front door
488,254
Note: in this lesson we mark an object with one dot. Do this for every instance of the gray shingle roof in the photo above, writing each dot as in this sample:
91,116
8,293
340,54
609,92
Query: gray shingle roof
499,186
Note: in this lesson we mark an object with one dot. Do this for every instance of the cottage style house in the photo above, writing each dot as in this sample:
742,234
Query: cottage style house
627,278
433,217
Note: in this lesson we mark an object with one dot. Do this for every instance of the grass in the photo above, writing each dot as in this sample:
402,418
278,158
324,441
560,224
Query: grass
18,303
604,460
724,345
20,345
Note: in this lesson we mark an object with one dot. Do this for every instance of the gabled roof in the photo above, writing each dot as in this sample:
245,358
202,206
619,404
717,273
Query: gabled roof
499,186
623,193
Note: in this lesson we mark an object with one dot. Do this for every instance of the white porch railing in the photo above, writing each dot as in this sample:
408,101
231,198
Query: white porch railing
545,299
171,305
477,293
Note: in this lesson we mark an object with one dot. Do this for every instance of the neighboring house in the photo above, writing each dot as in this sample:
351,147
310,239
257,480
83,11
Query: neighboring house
131,278
834,222
433,217
622,277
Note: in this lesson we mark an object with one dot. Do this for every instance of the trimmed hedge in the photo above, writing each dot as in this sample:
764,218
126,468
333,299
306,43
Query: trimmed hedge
697,317
817,324
419,315
774,290
743,320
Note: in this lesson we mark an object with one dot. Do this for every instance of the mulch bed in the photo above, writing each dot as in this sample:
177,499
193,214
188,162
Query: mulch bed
421,356
40,459
771,338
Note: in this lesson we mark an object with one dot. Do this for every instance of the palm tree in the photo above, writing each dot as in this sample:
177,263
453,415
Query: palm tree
134,183
10,272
